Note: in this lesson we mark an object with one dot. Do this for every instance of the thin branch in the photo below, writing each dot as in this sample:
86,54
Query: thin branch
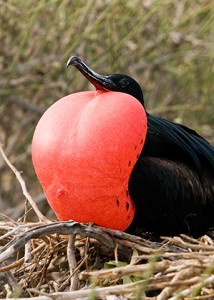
128,270
188,291
167,291
178,241
64,228
72,262
40,216
19,262
28,250
122,289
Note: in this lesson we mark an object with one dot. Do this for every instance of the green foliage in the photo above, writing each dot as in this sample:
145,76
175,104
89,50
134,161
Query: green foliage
166,45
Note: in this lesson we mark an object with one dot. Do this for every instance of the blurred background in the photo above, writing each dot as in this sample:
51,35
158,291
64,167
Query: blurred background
167,46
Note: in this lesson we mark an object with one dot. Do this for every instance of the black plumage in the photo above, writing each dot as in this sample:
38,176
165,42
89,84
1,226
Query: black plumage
174,178
172,183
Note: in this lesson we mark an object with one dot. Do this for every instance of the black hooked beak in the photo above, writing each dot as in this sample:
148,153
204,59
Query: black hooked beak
100,82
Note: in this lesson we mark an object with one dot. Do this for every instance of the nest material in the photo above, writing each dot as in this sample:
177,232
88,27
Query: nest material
69,260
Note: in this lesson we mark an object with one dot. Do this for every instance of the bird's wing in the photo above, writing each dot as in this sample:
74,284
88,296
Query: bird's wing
170,197
178,138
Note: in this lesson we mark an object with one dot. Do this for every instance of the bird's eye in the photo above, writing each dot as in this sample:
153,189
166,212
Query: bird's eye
124,82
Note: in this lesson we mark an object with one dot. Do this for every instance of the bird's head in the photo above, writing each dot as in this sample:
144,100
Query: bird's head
112,82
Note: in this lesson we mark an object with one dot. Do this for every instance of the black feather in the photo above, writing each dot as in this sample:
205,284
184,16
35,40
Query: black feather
172,183
196,147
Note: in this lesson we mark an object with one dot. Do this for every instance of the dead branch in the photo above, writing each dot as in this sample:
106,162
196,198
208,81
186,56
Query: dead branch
178,241
40,216
64,228
136,270
72,262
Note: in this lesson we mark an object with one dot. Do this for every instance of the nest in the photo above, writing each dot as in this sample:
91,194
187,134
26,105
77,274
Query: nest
69,260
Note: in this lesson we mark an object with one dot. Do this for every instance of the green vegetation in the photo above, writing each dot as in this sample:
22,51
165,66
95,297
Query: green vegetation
168,46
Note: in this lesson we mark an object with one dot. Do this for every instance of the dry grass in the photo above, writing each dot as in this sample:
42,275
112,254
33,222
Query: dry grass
168,46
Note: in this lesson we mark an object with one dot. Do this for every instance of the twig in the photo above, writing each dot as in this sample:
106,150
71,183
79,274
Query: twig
72,262
28,255
187,292
135,239
19,262
122,289
144,249
178,241
65,228
124,271
41,217
10,232
167,291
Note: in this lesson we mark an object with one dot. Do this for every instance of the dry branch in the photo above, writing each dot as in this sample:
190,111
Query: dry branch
72,262
122,289
64,228
41,217
129,270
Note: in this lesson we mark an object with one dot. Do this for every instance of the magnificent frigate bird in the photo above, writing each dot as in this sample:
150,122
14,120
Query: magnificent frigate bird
169,187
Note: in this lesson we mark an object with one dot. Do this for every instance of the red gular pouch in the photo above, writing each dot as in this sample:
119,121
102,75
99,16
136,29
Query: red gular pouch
84,149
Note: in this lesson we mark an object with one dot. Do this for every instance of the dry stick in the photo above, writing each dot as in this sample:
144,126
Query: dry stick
190,239
186,292
135,239
180,255
48,259
203,297
28,249
137,246
62,287
167,291
178,241
63,228
116,253
124,271
19,262
72,262
41,217
115,290
119,289
96,232
13,227
34,298
10,232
